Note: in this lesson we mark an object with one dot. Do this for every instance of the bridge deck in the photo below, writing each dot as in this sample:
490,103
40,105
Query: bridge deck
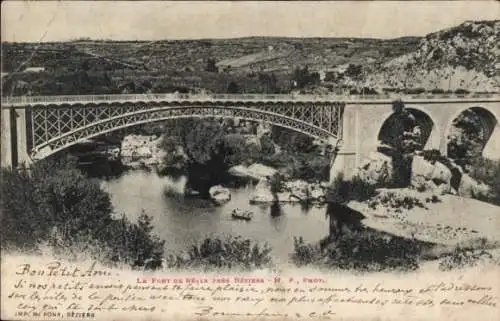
242,98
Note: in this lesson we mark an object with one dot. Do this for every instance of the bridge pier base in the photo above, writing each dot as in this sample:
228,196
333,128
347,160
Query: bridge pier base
343,165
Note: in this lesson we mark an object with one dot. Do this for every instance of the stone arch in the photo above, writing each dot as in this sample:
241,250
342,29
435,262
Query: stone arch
425,123
474,122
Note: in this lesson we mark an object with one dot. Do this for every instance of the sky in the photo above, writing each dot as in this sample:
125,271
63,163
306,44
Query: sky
24,21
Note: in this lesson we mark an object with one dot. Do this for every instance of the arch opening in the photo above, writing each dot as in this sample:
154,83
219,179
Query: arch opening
469,134
416,122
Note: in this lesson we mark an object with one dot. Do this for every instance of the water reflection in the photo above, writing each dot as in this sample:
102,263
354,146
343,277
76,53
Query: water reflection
183,220
276,209
305,207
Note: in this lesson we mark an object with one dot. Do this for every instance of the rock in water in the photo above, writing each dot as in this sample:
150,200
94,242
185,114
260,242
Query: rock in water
219,194
262,193
254,171
294,191
299,189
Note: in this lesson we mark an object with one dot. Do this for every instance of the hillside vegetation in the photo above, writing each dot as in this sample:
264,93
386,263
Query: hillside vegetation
464,57
461,58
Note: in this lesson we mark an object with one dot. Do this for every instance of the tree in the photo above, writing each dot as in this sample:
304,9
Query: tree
23,223
147,246
353,70
202,141
269,82
267,145
211,65
300,76
403,142
467,138
233,88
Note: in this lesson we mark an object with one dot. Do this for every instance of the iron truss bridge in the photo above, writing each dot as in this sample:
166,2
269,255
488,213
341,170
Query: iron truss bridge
52,126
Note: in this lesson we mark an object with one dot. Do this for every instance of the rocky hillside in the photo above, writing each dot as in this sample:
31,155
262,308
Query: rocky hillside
463,57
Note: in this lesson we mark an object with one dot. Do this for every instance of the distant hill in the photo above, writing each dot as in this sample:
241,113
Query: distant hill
460,58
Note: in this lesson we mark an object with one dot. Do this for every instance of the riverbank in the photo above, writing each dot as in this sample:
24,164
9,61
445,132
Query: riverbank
448,220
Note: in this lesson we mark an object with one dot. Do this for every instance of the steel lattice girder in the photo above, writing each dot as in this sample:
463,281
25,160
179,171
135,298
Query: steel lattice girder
60,127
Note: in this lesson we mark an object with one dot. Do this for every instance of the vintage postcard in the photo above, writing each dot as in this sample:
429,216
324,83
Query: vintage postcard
250,160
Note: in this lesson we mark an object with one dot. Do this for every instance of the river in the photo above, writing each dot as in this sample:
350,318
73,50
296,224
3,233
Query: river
183,221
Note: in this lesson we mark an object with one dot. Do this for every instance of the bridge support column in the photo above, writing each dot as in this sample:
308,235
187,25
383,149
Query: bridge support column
22,138
6,136
347,158
492,148
14,138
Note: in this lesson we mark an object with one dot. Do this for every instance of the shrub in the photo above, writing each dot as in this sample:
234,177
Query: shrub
342,191
488,172
231,252
56,194
398,201
304,77
54,204
310,167
303,253
368,250
462,258
362,250
267,146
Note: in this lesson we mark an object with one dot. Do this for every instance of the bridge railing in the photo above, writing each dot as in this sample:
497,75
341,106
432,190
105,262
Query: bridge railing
84,99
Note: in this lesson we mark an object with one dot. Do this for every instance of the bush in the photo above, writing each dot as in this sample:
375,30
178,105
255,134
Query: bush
54,204
488,172
303,253
276,184
56,194
463,258
367,250
362,250
267,145
304,77
310,166
343,191
397,201
232,252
